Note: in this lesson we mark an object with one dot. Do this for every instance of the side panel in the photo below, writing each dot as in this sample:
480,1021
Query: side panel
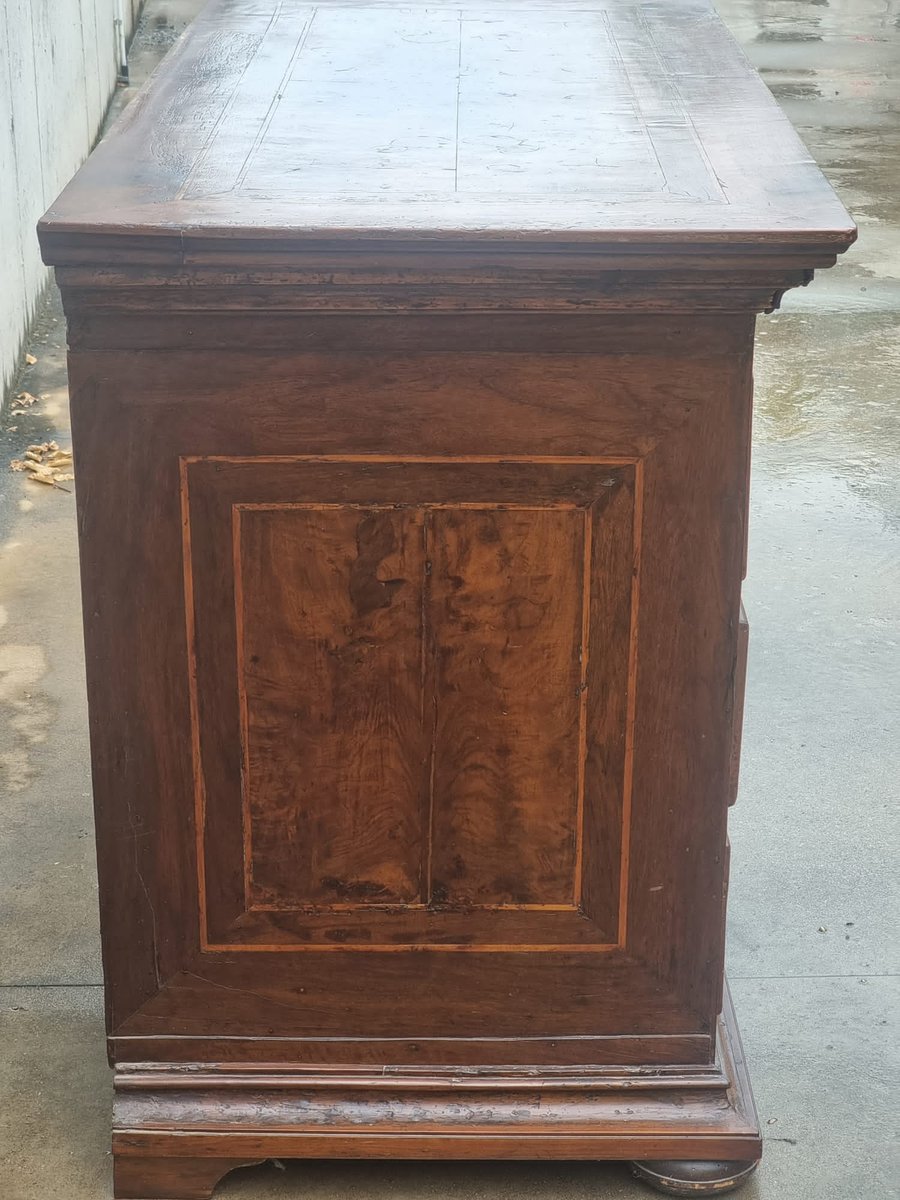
410,694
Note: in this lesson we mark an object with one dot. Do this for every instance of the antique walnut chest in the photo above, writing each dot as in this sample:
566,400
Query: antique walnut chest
410,352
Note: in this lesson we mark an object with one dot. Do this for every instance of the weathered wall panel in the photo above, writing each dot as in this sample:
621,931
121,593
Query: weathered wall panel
57,72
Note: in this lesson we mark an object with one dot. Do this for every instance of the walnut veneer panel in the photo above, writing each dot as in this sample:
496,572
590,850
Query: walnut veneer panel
408,706
334,748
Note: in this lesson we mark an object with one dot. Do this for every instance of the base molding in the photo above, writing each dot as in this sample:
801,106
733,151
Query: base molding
167,1177
178,1128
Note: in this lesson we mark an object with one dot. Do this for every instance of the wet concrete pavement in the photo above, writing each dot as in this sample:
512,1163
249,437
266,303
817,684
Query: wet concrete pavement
812,951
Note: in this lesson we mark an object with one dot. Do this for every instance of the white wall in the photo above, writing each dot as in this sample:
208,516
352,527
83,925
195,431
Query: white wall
58,66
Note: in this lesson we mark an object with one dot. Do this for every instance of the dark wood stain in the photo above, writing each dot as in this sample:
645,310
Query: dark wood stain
506,591
334,747
412,470
395,769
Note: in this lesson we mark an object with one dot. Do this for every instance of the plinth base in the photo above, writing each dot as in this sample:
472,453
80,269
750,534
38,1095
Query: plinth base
179,1128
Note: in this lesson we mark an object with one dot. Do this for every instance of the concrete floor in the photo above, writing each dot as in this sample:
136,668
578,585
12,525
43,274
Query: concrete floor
813,963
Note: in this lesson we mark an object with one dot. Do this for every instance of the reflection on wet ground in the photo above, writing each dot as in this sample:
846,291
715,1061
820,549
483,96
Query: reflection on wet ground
827,389
834,66
828,365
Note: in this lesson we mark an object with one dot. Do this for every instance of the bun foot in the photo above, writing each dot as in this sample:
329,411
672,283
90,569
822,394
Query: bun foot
686,1178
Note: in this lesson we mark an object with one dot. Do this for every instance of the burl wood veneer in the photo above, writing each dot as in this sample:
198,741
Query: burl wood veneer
411,386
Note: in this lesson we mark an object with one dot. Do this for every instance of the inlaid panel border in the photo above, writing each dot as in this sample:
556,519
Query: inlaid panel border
423,506
200,805
666,127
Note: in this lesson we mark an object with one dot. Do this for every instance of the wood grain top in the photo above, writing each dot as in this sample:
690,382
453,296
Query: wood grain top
599,121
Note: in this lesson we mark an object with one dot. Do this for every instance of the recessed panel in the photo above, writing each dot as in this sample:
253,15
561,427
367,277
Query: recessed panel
429,665
335,779
506,599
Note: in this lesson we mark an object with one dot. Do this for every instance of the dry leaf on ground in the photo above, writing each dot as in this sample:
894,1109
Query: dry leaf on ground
30,360
22,401
45,463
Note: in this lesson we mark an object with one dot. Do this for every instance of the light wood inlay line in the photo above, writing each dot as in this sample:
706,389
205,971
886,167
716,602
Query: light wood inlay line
628,779
428,709
276,98
572,460
197,760
405,947
376,906
583,701
426,505
246,818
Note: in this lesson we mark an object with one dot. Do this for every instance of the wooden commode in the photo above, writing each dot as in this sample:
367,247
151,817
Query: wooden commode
410,356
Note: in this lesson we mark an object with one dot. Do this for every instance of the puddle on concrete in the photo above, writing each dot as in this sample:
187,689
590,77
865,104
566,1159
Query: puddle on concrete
828,403
834,66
